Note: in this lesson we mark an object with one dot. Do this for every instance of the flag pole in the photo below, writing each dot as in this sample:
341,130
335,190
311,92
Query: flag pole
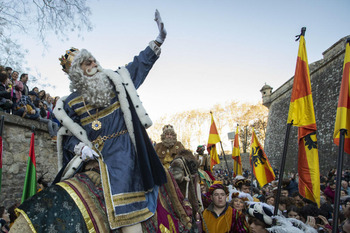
252,178
251,164
338,179
33,129
234,161
283,163
341,128
1,131
223,152
2,124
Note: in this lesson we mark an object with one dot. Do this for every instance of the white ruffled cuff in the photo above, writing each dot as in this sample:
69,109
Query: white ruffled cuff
156,49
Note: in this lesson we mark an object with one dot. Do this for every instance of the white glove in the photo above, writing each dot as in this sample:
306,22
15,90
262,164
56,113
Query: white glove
162,32
88,154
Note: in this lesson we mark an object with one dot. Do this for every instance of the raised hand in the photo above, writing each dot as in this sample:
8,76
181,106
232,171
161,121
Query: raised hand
162,32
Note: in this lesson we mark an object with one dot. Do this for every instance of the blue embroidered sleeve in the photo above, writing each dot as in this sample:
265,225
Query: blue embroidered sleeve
141,65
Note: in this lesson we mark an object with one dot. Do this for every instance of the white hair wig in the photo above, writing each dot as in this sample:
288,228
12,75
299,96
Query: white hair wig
97,88
75,72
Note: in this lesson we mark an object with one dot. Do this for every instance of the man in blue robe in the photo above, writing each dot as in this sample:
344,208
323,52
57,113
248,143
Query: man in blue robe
103,120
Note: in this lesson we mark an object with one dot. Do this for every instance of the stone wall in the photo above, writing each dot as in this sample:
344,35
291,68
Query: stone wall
326,76
16,142
229,160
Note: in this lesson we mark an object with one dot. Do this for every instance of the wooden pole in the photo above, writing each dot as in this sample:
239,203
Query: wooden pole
338,180
283,163
223,153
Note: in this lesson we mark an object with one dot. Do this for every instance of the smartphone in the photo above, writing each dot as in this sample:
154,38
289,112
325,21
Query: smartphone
318,220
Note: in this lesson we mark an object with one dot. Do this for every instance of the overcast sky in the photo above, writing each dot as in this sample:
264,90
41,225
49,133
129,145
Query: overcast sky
215,51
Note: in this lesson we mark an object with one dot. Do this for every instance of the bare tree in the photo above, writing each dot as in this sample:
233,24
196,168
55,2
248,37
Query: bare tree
253,116
156,130
197,119
219,116
192,127
233,111
20,17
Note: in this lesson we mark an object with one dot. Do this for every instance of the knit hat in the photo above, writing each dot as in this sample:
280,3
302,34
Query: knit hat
217,186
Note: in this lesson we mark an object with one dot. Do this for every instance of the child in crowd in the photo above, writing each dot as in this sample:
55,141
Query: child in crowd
4,220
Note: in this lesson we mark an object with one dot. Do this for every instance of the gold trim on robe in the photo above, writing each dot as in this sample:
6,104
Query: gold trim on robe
19,211
105,112
80,205
75,101
115,220
128,198
96,213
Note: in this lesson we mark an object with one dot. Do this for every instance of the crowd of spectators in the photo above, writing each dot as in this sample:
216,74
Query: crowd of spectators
243,191
16,98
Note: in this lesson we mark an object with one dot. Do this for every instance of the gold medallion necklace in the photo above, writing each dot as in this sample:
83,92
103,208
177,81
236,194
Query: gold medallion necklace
96,124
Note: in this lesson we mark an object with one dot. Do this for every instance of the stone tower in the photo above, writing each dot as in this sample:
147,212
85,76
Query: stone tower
326,75
266,91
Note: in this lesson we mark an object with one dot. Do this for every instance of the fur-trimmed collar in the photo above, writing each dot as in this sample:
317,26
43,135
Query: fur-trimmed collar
124,85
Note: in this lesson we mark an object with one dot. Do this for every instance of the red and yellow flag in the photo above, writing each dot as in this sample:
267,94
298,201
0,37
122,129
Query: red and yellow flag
301,114
213,139
261,166
342,120
236,156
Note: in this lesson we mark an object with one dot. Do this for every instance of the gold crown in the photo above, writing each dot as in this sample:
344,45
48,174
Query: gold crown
165,127
67,59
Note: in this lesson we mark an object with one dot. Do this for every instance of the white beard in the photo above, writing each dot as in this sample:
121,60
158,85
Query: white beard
169,142
97,90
